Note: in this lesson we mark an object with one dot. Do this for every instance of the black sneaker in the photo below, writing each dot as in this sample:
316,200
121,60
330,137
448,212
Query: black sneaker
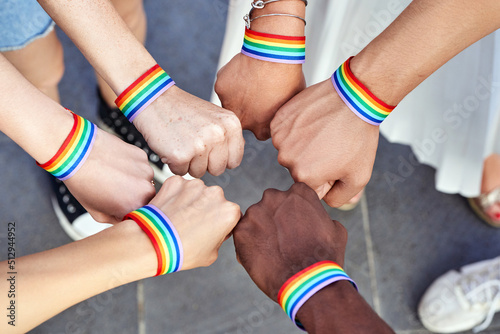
74,219
113,121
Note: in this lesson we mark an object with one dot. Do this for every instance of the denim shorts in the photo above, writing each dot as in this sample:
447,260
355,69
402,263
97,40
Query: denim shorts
22,22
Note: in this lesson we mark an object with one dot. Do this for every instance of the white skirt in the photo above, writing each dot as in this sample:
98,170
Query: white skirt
451,120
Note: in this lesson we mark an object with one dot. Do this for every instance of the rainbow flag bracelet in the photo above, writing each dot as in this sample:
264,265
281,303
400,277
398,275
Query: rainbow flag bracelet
163,235
74,151
303,285
144,91
274,48
357,97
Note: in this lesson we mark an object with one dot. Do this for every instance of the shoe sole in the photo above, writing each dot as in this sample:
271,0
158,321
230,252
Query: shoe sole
64,222
159,175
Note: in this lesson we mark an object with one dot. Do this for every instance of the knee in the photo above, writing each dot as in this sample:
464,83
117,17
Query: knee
52,71
55,70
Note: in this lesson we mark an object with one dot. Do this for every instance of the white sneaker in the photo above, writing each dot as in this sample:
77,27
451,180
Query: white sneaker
460,301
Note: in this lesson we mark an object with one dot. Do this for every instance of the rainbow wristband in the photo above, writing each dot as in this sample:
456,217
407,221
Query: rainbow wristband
163,235
303,285
274,48
74,151
144,91
357,97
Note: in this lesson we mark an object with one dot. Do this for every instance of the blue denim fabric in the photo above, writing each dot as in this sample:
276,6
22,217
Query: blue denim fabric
21,22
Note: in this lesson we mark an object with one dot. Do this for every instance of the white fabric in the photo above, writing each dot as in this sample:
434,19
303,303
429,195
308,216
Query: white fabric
451,121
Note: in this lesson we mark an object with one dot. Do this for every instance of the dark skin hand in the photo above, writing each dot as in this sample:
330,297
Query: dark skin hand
288,231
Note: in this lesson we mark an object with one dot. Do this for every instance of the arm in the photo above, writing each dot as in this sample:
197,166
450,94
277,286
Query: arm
256,89
211,136
118,255
335,154
40,126
269,248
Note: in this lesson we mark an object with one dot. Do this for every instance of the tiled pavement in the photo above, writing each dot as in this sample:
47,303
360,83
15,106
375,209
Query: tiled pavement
401,237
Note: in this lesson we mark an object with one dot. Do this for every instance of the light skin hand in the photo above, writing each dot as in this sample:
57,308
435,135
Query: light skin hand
324,144
192,135
201,215
254,90
114,180
120,254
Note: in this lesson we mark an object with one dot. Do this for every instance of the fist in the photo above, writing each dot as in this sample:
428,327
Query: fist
254,90
284,233
201,215
324,144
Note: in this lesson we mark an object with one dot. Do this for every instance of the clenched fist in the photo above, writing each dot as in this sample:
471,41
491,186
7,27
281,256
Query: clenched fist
284,233
201,215
254,90
192,135
324,144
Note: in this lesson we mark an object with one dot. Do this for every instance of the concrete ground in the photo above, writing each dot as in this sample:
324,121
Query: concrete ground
401,237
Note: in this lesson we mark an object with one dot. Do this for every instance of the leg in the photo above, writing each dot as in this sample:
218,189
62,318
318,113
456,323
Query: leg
42,63
491,174
132,12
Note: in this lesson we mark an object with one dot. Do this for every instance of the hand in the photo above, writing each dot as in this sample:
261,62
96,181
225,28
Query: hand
254,90
201,215
115,179
285,233
191,135
324,144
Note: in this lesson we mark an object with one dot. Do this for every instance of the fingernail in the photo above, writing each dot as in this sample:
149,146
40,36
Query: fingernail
164,160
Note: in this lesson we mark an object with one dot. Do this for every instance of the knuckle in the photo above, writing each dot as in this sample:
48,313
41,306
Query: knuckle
195,183
215,191
232,123
283,158
300,173
211,258
270,195
174,180
301,187
180,157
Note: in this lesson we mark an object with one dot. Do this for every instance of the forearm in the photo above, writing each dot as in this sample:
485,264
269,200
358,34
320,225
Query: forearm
104,39
35,122
339,308
422,39
77,271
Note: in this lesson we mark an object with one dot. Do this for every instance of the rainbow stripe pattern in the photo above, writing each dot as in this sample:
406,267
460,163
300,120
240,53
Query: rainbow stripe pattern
274,48
74,151
357,97
163,235
303,285
144,91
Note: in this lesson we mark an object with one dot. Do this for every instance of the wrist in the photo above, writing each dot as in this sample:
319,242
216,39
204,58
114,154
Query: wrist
164,105
280,25
381,77
44,136
130,256
324,309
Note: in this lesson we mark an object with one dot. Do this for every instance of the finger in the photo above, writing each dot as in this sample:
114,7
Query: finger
178,169
217,159
341,193
302,189
199,164
262,133
235,145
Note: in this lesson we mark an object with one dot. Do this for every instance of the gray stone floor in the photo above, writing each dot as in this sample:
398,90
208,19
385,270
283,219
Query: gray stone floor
401,237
